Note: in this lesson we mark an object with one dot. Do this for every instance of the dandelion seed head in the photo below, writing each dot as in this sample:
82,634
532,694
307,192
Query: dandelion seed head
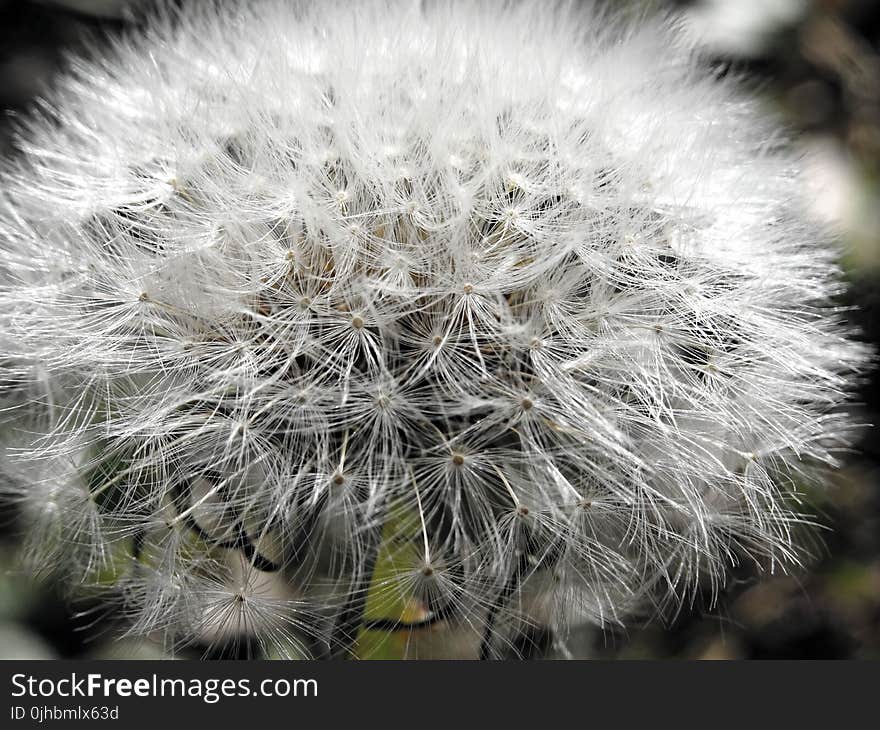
517,290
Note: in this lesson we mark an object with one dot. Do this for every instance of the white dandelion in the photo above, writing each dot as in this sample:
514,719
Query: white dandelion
508,314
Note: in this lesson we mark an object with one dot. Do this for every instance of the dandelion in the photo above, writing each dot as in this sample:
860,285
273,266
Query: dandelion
322,321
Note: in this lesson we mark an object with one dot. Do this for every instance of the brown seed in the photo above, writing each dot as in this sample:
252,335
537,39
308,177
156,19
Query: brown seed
357,322
427,571
457,459
338,480
468,288
527,404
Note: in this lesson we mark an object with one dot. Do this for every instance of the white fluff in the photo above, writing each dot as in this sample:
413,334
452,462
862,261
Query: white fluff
517,290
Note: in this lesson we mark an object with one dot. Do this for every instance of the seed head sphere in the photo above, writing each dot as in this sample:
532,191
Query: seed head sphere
322,318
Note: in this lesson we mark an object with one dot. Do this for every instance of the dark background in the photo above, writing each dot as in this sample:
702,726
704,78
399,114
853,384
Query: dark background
815,62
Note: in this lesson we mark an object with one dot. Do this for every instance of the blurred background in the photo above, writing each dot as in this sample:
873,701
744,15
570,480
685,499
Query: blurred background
816,63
